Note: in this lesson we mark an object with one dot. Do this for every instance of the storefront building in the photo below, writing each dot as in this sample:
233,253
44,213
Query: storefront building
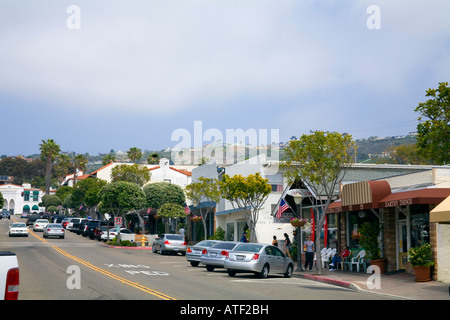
404,217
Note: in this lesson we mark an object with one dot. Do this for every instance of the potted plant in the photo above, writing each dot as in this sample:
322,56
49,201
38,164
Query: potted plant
369,241
196,218
298,222
421,259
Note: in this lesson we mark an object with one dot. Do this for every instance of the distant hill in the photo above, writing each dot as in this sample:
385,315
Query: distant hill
369,148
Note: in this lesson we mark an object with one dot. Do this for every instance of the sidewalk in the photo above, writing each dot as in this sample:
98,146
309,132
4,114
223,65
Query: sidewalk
398,284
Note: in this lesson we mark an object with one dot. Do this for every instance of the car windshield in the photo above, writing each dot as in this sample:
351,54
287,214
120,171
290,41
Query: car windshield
174,237
248,247
18,225
224,245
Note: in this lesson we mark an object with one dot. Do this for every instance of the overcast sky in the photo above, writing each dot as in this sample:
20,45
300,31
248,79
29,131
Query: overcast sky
135,71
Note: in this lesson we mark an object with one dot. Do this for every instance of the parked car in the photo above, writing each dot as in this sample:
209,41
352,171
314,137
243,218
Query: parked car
82,226
72,226
40,224
92,226
32,219
259,259
5,214
18,229
99,231
194,253
54,230
125,234
65,222
170,243
214,256
24,215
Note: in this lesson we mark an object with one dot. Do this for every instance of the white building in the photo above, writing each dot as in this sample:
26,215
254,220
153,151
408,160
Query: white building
20,199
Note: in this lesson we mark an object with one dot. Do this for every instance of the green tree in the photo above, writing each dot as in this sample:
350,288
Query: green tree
159,193
248,194
2,200
49,151
79,162
86,193
134,154
319,160
49,200
153,158
119,198
207,190
434,129
170,210
132,173
108,159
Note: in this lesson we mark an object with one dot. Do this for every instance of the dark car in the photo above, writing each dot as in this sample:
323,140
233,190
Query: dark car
5,214
92,226
73,224
82,226
32,218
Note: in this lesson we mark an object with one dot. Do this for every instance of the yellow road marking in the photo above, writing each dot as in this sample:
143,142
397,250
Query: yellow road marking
106,272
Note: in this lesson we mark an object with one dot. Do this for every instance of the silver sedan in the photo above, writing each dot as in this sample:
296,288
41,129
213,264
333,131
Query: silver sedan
214,256
194,253
170,243
54,230
259,259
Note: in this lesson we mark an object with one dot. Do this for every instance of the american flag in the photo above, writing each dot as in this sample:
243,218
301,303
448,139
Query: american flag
282,208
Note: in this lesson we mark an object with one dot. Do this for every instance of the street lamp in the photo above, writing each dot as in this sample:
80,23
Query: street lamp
298,201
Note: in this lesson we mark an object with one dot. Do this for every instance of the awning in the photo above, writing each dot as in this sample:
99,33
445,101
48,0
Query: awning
422,196
441,213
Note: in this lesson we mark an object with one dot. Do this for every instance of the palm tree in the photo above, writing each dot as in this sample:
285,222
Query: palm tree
79,162
108,159
134,154
49,151
153,158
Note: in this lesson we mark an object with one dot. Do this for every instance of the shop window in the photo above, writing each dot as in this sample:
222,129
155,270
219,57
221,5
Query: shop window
420,225
355,221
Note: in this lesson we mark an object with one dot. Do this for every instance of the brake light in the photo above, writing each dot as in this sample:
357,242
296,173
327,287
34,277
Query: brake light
224,253
184,243
166,242
189,250
204,251
12,284
48,229
255,256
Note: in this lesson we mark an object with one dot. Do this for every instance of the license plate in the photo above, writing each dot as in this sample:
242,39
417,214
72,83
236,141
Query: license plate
213,254
239,257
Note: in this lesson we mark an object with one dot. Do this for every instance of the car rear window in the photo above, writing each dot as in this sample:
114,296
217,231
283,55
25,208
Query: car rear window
224,245
248,247
174,237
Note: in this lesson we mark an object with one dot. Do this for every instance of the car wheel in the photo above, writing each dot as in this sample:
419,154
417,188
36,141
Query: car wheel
153,249
210,268
231,273
195,263
288,272
264,272
161,251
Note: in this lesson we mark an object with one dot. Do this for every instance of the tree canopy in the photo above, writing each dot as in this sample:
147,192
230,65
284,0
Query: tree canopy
434,129
159,193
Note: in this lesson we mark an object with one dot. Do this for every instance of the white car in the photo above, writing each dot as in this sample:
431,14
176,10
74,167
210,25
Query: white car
40,224
18,229
125,234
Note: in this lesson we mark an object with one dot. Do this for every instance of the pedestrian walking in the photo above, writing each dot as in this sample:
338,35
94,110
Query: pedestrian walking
287,245
309,254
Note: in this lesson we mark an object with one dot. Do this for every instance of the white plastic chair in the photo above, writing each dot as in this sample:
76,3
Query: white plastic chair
325,257
358,260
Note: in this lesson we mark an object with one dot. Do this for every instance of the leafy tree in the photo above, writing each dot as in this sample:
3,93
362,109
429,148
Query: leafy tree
248,194
406,154
207,190
170,210
119,198
159,193
433,133
134,154
2,200
49,200
319,160
86,193
49,151
132,173
61,168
